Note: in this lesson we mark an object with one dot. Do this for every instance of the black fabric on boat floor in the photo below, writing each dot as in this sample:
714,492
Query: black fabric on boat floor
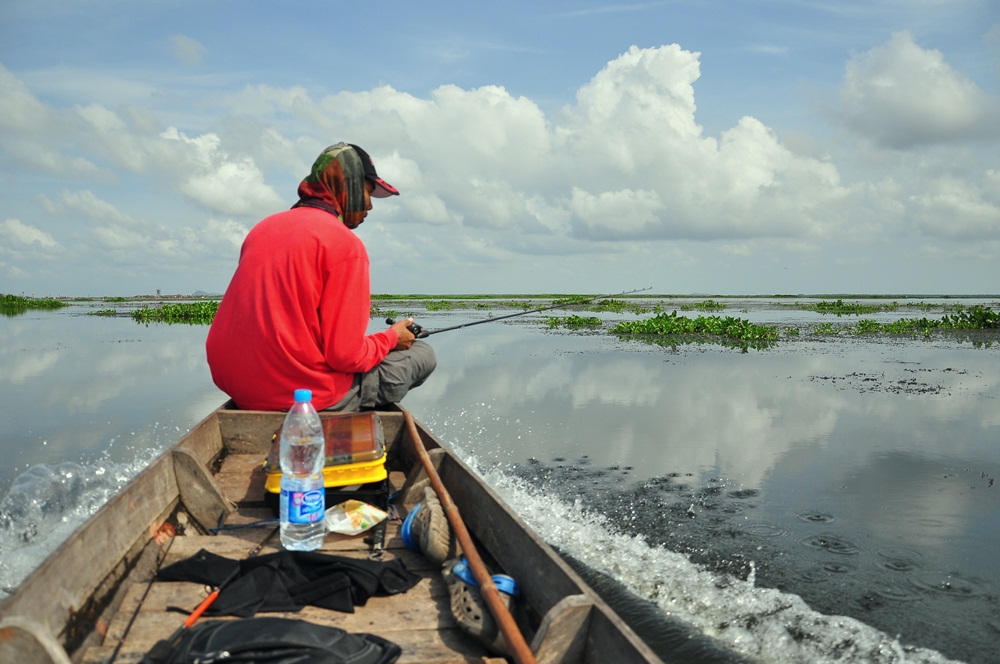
290,580
274,641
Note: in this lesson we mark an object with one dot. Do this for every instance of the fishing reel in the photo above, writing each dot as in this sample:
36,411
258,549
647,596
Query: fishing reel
417,330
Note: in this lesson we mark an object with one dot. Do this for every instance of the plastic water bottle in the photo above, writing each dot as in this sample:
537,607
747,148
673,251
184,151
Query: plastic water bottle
302,503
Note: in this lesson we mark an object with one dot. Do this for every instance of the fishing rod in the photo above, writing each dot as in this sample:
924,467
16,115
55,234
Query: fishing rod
419,332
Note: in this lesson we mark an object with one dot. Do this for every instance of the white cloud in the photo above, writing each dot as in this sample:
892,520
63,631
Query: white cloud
491,179
229,185
900,95
16,232
19,109
186,50
958,210
83,204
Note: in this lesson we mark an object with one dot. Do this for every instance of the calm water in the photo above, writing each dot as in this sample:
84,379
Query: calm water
829,499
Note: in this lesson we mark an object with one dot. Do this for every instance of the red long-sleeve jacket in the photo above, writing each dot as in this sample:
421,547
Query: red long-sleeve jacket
295,314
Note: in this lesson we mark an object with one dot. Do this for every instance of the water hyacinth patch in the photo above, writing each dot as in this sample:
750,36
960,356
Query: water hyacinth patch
190,313
841,308
12,305
694,330
705,305
574,322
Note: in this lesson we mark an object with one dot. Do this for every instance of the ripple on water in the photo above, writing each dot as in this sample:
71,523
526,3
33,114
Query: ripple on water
763,530
735,508
898,559
948,583
815,516
814,575
832,543
839,568
898,592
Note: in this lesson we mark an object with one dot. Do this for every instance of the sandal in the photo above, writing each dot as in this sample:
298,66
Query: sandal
469,607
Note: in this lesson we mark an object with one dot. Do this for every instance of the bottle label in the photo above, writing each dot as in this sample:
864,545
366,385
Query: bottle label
302,506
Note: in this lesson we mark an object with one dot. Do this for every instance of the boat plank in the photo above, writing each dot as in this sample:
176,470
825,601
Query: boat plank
413,620
241,478
202,496
239,546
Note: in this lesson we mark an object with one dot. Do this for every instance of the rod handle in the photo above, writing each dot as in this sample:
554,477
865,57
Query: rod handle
417,330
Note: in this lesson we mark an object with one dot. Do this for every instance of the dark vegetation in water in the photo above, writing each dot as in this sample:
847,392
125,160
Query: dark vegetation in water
574,322
191,313
740,332
13,305
715,525
980,324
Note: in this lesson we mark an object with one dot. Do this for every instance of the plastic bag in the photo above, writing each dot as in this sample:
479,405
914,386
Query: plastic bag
352,517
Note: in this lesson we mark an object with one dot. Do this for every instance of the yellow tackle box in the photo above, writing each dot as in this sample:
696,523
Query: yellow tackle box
355,456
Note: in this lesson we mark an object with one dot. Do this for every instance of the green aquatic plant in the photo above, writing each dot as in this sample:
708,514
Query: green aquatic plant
841,308
702,329
190,313
18,304
618,306
439,305
103,312
975,317
704,305
573,322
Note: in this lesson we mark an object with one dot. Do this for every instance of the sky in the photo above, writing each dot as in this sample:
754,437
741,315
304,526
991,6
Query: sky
743,147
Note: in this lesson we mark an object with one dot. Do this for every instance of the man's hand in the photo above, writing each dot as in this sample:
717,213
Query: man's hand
406,337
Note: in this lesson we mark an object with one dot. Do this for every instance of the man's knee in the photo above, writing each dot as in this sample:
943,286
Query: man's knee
425,361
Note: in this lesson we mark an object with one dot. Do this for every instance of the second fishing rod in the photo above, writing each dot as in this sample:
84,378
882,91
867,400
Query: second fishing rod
419,332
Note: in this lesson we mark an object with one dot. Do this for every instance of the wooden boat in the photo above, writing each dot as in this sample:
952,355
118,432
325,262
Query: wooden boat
97,599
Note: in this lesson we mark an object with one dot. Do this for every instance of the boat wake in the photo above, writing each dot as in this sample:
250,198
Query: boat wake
46,503
672,595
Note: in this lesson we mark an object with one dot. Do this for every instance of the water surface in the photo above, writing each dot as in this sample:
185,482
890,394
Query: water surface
827,499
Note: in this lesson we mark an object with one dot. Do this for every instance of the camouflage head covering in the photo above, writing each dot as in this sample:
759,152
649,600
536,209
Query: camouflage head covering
336,184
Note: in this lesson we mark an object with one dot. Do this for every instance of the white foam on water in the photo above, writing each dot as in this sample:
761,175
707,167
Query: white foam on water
47,502
759,623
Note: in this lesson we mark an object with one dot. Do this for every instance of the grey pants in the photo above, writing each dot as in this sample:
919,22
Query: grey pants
397,374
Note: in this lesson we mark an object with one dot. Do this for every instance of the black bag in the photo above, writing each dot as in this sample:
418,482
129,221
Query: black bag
272,641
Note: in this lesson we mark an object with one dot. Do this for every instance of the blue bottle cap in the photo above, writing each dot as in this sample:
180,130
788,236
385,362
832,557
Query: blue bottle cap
303,395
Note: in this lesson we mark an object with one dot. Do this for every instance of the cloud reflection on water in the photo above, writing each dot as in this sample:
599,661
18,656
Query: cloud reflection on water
802,423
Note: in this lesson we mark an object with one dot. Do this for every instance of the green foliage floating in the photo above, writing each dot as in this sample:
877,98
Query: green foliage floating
694,330
841,308
12,305
190,313
705,305
971,318
574,322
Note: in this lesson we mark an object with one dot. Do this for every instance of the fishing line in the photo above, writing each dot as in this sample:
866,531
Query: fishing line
419,332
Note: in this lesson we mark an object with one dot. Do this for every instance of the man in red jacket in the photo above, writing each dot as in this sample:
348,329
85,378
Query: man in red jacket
296,312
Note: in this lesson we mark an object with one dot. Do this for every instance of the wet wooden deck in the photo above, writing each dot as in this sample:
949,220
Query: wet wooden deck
419,620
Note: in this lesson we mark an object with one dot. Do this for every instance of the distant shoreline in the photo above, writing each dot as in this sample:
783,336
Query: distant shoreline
470,296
